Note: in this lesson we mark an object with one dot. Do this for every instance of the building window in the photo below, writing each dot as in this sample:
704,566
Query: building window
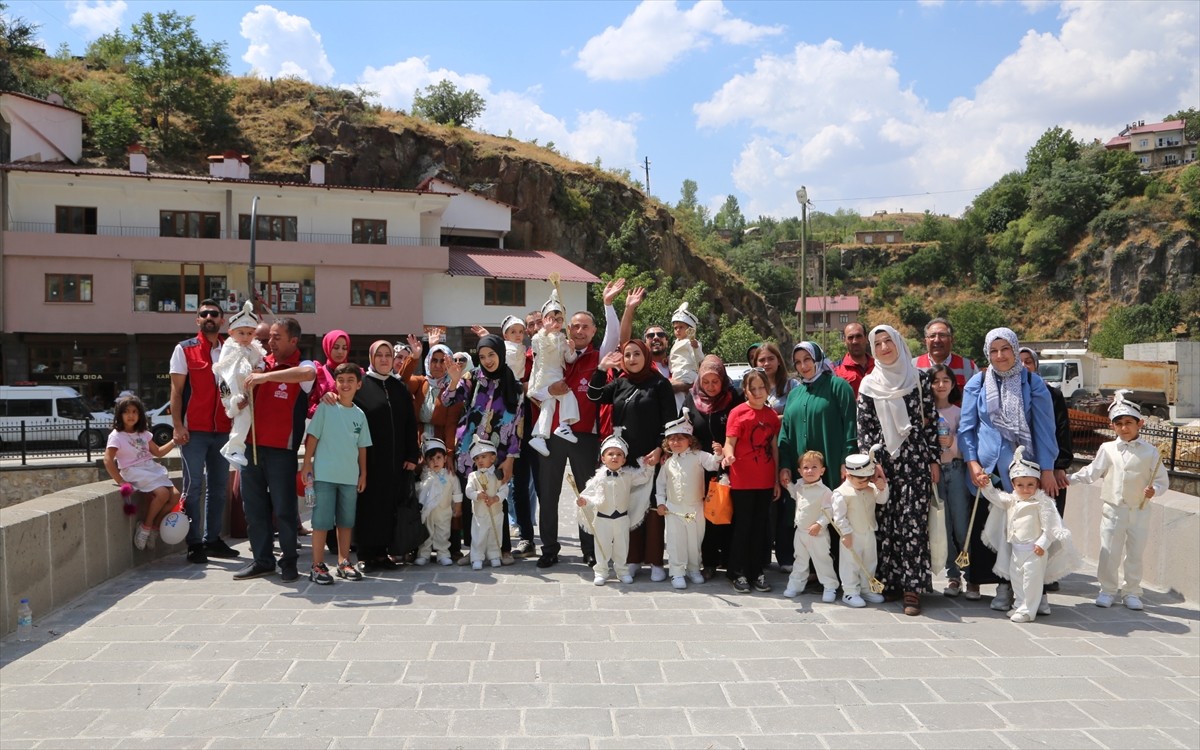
506,292
369,232
869,239
844,318
1144,143
74,220
201,224
370,294
68,287
890,238
281,228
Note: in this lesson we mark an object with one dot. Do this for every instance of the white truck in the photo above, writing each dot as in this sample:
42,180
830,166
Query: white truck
1080,374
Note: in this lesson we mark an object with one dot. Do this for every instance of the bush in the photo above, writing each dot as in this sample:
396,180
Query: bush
972,320
911,311
1112,224
114,128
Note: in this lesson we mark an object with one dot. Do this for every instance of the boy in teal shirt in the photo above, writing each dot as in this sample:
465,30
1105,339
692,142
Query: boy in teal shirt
337,471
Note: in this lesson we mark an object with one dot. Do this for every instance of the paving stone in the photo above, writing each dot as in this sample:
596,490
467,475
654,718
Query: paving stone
531,650
970,690
819,669
749,694
47,725
721,722
771,669
701,670
1135,739
375,672
328,672
450,696
232,722
201,695
258,670
551,722
705,741
569,672
631,672
272,743
957,740
879,718
654,722
1127,713
127,696
820,693
698,694
947,716
545,743
593,696
868,741
486,672
778,720
516,696
121,723
1052,738
783,741
321,722
485,722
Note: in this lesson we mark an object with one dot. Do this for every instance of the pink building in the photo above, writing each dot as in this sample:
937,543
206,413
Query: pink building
103,268
828,313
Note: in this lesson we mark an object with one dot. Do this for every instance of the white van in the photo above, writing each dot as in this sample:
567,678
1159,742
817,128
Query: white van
51,413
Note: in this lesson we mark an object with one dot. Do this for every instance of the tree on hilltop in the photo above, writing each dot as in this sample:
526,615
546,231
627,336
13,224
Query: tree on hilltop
1055,144
1191,119
17,41
445,103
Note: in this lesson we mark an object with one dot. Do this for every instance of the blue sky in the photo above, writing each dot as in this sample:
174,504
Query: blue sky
871,105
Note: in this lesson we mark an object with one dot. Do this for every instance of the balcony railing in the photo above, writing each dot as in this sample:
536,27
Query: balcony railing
308,238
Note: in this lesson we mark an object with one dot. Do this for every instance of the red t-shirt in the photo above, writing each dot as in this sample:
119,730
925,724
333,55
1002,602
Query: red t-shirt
756,430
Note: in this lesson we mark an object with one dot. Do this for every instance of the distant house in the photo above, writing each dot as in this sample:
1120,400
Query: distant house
828,313
879,237
1157,145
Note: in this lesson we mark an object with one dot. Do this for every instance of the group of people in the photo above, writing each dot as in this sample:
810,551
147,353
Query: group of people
855,475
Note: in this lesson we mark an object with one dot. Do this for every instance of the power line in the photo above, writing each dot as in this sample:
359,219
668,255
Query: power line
904,195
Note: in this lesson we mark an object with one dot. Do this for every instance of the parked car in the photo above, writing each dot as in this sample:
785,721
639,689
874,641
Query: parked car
161,424
50,413
736,371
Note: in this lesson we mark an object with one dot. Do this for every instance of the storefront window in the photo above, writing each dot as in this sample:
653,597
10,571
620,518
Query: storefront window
179,287
269,227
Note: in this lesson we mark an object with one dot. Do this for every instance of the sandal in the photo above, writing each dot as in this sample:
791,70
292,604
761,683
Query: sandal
912,603
953,588
972,592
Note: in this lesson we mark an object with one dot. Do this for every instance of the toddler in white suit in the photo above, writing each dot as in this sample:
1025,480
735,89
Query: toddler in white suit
680,489
241,355
854,504
607,498
487,495
551,353
814,507
686,352
441,502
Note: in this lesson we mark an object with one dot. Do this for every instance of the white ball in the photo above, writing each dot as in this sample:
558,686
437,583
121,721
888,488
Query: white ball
174,527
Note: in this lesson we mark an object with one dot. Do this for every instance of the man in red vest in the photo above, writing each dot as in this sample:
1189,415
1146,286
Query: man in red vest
858,362
939,345
269,480
201,429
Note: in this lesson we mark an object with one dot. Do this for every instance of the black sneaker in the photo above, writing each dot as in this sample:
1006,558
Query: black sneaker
546,560
523,548
741,585
288,572
196,554
760,584
220,549
319,573
256,570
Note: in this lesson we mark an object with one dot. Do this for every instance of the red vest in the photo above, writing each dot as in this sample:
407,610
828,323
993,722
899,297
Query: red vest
278,409
202,408
577,376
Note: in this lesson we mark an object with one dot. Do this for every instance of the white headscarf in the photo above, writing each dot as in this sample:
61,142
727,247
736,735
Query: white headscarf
887,385
436,386
1002,390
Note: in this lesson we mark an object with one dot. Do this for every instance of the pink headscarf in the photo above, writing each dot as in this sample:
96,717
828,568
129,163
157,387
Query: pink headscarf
325,381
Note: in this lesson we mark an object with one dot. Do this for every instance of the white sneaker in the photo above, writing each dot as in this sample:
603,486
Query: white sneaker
1044,605
1003,600
1105,600
566,433
657,573
789,592
141,536
600,580
445,560
853,600
421,561
632,571
1134,602
1020,617
872,597
626,579
679,582
477,565
237,459
696,577
539,445
830,596
496,562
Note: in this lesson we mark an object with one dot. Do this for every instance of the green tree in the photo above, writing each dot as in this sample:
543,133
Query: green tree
735,339
445,103
1191,118
622,243
112,52
662,297
18,41
114,128
178,75
689,211
972,320
1054,145
730,216
1135,324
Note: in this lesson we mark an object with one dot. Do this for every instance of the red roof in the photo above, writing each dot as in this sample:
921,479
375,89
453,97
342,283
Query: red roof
515,264
1158,127
838,304
1118,141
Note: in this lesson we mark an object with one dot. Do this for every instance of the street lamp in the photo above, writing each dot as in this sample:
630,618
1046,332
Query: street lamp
802,197
250,273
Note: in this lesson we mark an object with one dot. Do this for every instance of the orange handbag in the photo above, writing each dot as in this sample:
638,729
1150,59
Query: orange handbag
718,503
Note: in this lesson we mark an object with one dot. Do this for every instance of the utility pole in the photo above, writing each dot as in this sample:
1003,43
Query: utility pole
250,272
646,167
802,196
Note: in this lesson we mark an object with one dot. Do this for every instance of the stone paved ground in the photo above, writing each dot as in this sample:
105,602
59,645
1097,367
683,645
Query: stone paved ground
175,656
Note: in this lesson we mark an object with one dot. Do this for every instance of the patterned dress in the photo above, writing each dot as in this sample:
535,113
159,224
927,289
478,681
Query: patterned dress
903,533
487,415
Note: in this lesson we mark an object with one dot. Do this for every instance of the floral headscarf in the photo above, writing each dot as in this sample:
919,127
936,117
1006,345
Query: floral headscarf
1002,391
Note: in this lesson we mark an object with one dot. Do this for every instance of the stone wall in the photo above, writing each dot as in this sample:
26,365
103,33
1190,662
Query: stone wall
21,483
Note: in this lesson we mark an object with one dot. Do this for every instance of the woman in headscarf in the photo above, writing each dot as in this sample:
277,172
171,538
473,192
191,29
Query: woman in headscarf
769,359
642,403
896,411
819,416
709,401
493,408
1003,406
390,459
336,345
433,418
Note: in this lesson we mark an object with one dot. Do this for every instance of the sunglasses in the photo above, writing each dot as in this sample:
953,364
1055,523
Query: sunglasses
460,360
656,335
209,314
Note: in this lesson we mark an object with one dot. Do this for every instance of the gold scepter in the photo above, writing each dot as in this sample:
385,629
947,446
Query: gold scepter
873,583
592,526
964,556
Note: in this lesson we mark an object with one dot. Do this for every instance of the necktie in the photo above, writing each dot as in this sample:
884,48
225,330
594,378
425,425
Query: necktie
612,473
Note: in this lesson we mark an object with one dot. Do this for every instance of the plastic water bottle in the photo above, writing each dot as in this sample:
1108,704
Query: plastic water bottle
310,495
24,621
943,427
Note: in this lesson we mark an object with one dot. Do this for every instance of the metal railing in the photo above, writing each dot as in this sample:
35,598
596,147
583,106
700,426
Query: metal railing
1179,447
308,238
84,439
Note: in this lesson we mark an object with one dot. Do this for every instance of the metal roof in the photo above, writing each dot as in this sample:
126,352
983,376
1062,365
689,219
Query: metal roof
838,304
515,264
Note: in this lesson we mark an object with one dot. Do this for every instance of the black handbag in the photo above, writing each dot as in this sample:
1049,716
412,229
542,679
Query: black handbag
410,532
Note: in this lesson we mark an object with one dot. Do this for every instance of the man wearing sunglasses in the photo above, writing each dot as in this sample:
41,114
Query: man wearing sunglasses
201,428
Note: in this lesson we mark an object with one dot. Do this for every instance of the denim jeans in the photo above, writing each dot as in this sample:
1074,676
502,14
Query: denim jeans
952,487
269,485
524,492
202,459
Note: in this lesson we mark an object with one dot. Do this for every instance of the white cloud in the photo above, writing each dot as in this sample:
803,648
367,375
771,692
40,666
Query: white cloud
931,3
840,122
591,135
282,44
97,17
658,33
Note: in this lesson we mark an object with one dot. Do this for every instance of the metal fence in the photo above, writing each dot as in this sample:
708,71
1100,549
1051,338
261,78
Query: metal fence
308,238
84,439
1179,447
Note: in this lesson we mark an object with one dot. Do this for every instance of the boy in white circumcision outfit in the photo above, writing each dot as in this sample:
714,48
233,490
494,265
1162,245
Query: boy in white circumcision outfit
487,495
607,496
1039,546
240,355
814,506
854,504
441,502
680,490
512,330
686,352
551,352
